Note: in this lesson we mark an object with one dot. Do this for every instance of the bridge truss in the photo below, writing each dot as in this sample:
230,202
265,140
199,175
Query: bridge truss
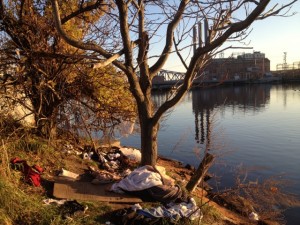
171,75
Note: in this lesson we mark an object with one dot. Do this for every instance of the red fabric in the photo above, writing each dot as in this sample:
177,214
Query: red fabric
16,160
31,174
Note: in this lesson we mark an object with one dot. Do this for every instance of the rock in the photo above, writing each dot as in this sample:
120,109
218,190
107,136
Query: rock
189,167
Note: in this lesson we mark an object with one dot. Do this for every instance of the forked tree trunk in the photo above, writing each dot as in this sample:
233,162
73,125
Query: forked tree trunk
149,142
46,117
47,128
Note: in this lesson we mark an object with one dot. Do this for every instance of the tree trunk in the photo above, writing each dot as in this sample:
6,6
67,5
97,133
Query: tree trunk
198,176
45,116
47,125
46,128
148,142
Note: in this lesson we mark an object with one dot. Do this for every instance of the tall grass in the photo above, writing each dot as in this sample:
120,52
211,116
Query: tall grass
21,203
17,206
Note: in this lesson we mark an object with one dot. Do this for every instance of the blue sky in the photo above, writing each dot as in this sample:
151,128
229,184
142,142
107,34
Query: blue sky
272,36
277,35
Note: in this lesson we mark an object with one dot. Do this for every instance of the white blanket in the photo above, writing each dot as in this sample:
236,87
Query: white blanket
139,179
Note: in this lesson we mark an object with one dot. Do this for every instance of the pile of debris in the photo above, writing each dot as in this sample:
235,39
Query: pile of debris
118,167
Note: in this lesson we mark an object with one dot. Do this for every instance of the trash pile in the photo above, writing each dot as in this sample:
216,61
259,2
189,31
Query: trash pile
119,167
113,163
173,213
153,185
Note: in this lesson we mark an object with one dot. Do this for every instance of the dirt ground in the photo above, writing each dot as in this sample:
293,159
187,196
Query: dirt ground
175,170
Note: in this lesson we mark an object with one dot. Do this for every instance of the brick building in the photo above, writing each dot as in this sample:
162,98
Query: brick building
245,66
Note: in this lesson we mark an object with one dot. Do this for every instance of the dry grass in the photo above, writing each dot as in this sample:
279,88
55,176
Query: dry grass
268,198
21,203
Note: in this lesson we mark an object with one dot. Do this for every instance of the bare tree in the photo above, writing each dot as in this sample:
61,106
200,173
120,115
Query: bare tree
140,28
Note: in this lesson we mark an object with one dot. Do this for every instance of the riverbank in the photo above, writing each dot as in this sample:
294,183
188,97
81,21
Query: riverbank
20,201
167,85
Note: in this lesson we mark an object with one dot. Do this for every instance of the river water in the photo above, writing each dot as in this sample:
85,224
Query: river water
251,128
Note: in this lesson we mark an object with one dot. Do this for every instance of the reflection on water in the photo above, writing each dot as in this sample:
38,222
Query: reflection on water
261,126
248,97
242,98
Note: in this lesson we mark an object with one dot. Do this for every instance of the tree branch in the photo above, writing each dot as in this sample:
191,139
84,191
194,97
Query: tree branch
179,55
76,43
113,58
200,53
123,13
169,39
274,13
82,10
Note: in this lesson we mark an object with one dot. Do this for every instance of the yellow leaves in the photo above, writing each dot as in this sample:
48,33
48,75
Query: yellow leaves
70,75
111,89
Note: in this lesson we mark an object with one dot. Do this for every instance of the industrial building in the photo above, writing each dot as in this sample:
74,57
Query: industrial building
240,66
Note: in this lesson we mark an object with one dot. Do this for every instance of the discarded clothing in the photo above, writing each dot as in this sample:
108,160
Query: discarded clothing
102,177
113,156
69,208
32,174
139,179
112,164
161,193
113,160
129,216
147,184
186,209
158,212
171,214
174,211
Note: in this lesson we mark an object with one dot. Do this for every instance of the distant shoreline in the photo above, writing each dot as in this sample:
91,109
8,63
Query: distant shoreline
213,83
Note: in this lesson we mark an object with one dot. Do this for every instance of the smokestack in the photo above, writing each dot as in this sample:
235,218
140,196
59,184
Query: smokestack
205,31
200,34
195,38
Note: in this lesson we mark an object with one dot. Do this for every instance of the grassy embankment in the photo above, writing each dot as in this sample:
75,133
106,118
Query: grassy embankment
21,203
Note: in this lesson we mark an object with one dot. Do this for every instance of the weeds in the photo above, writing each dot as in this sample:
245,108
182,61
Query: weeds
210,215
267,198
21,203
18,207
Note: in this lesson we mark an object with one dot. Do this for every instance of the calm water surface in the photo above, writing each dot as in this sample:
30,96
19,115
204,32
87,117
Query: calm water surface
256,127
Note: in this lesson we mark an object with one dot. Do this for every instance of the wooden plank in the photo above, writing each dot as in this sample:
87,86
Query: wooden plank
90,192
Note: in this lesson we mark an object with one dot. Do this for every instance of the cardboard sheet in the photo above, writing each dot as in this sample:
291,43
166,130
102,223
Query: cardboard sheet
68,189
